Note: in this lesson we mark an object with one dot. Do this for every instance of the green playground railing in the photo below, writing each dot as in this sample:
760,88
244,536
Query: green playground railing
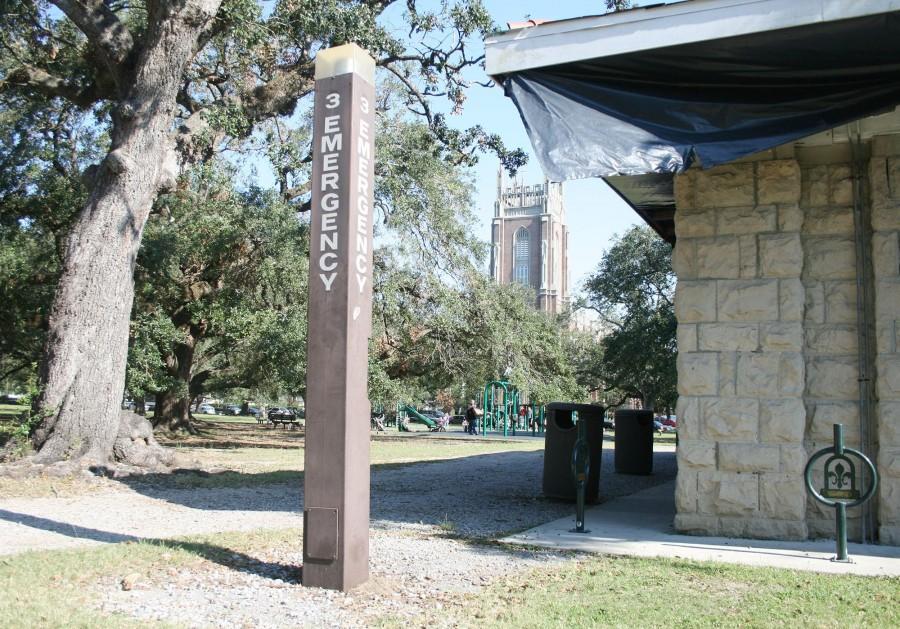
502,403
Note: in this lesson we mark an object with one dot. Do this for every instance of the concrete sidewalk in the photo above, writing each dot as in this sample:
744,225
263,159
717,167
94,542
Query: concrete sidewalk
640,525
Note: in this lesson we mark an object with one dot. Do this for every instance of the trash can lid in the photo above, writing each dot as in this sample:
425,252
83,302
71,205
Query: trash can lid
589,410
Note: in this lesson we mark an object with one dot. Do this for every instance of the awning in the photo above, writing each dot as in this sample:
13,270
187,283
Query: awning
713,101
652,196
635,110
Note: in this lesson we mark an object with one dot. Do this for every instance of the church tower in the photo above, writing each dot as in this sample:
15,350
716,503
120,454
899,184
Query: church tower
530,240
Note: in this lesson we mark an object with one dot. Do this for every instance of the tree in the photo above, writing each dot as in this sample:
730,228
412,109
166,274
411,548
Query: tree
632,291
43,148
618,5
221,296
171,84
438,320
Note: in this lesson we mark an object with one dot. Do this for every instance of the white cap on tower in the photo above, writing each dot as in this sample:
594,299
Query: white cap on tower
345,59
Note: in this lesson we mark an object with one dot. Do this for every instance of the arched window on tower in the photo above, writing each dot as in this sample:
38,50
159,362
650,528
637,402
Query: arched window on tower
521,256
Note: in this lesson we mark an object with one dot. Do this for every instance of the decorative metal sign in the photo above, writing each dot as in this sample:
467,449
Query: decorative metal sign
336,480
841,488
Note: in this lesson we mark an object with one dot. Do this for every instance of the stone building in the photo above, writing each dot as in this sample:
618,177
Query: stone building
786,241
769,337
530,240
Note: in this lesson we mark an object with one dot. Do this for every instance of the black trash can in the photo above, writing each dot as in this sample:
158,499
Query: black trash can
559,442
634,442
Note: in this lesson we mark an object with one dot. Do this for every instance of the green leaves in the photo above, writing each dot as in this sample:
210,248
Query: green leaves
43,149
222,270
618,5
225,273
632,290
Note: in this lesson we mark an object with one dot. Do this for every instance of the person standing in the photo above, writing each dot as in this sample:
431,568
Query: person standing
472,415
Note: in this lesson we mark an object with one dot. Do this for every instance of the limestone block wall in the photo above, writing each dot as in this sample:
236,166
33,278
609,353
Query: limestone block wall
741,369
767,337
830,317
884,177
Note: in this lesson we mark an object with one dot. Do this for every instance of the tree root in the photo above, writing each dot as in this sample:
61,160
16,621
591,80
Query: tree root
136,446
135,451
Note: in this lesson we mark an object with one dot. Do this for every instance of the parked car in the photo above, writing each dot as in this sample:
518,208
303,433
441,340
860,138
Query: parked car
11,398
206,409
231,409
252,411
281,413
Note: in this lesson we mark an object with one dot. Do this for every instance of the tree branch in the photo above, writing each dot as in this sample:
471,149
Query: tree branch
109,36
16,369
45,83
279,95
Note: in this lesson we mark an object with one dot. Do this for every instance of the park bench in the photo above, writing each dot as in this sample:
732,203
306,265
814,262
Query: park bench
285,422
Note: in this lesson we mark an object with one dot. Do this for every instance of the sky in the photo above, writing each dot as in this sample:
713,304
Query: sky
594,212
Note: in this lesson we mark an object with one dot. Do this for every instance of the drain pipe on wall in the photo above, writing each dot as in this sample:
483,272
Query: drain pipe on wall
865,309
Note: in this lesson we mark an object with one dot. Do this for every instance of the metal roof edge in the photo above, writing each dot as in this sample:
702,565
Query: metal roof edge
577,39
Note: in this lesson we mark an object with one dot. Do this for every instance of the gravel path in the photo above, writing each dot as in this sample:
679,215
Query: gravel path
479,496
486,495
409,577
427,521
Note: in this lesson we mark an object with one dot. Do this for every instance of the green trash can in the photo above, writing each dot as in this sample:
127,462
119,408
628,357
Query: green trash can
634,442
559,442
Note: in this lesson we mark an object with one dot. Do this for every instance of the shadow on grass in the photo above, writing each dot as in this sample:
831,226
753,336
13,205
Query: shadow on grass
225,435
473,499
217,554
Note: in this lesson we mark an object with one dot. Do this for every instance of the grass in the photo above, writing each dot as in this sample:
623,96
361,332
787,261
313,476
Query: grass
10,411
633,592
225,419
60,589
277,456
241,454
254,448
9,420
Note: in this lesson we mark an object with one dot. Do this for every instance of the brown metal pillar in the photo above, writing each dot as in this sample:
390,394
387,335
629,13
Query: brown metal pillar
336,480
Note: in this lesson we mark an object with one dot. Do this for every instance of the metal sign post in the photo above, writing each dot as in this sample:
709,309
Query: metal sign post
336,479
581,467
840,490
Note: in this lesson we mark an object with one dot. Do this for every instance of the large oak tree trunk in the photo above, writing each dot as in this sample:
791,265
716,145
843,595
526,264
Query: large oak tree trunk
173,411
83,370
173,407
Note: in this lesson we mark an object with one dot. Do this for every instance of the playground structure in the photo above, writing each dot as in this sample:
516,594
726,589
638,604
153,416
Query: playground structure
407,413
501,403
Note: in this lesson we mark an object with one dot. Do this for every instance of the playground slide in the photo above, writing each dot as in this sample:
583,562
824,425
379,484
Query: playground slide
419,417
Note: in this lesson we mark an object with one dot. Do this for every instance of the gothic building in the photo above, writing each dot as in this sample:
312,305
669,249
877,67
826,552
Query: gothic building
530,240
